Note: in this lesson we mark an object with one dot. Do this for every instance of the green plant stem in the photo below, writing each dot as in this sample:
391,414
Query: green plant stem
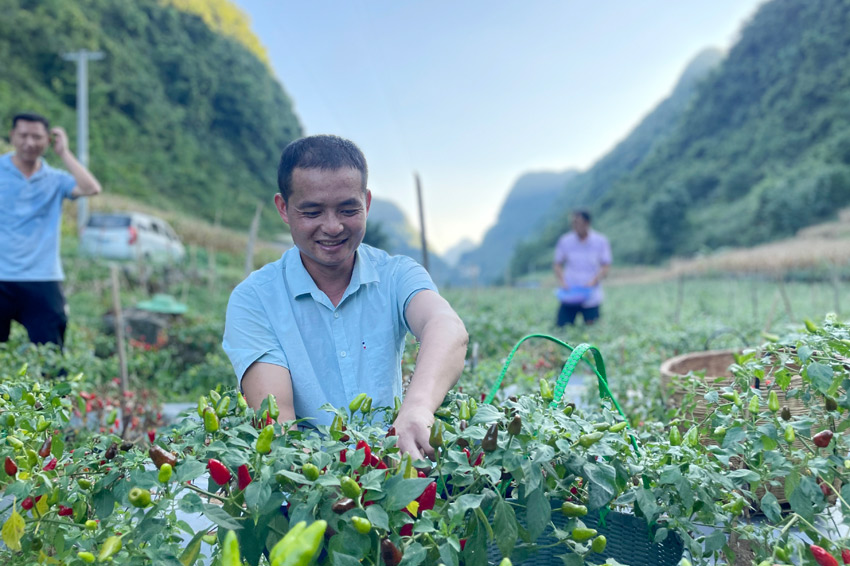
207,493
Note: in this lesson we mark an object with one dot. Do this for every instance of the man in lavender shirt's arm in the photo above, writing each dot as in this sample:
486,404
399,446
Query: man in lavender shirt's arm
582,260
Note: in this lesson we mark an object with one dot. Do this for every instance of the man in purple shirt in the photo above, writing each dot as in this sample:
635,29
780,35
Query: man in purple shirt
582,259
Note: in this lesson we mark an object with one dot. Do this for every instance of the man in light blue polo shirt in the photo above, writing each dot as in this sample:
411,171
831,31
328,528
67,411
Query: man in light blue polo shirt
328,320
31,196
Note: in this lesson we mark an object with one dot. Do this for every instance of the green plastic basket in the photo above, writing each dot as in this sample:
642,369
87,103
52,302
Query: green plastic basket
630,542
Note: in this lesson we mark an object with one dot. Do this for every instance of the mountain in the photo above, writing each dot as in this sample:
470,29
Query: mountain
527,203
586,188
761,151
397,236
181,115
454,253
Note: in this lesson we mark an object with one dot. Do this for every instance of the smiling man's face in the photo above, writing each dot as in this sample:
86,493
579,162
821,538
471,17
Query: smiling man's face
326,214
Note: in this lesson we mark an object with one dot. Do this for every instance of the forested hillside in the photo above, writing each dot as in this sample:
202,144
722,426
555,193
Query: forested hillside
181,116
587,187
528,202
762,151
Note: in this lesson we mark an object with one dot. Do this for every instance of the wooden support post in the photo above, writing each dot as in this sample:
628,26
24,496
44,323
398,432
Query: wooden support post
785,300
252,238
119,344
680,298
422,223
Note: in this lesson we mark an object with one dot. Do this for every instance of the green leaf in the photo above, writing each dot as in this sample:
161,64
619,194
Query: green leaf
378,517
661,535
190,503
486,414
715,541
400,492
414,555
538,511
464,503
192,550
220,517
647,504
504,524
104,504
820,376
734,436
745,475
256,493
189,470
770,507
572,559
13,530
448,555
340,559
804,353
603,484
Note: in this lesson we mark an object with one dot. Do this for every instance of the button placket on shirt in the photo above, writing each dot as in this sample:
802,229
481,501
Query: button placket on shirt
344,359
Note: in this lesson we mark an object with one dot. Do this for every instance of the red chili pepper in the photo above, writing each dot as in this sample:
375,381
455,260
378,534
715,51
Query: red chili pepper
243,476
10,466
406,530
65,511
151,435
479,460
468,454
462,543
50,465
822,557
391,432
368,451
823,438
218,472
428,497
44,451
420,473
845,555
27,503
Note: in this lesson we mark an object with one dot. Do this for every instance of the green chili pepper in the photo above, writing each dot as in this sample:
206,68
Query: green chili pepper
581,534
588,440
215,396
789,434
113,414
210,420
569,408
473,407
165,472
356,402
202,404
350,488
41,424
618,426
111,546
298,550
773,401
241,403
223,406
491,439
361,525
811,326
515,426
366,406
32,457
573,510
14,442
86,557
599,543
264,440
753,407
139,497
274,411
720,432
84,483
692,437
546,390
734,507
463,411
29,398
675,437
436,437
230,551
310,471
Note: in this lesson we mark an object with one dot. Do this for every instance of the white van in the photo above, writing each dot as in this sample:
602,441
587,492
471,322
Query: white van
130,236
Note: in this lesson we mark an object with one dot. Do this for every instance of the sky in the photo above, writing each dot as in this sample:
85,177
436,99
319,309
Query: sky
472,94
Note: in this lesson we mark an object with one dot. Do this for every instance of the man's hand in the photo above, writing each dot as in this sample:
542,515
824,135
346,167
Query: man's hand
59,138
413,427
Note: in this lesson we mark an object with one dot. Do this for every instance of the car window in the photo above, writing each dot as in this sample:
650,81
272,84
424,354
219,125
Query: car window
109,221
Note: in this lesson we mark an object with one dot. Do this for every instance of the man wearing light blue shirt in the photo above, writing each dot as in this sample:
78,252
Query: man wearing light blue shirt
328,320
31,196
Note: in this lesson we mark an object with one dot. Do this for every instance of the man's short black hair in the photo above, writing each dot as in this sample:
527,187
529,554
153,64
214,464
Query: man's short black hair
583,213
318,152
30,117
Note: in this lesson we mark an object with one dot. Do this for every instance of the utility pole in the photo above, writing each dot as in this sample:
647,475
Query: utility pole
422,223
82,58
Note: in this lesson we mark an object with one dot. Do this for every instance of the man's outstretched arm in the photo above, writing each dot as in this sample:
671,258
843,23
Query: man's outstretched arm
443,341
262,379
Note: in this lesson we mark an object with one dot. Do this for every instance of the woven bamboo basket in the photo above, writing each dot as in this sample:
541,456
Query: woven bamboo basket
677,380
630,541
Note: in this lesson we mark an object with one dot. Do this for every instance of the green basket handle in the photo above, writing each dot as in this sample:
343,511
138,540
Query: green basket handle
577,355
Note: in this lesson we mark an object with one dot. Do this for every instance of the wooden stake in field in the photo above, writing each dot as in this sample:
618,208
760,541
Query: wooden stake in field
119,344
252,238
422,222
